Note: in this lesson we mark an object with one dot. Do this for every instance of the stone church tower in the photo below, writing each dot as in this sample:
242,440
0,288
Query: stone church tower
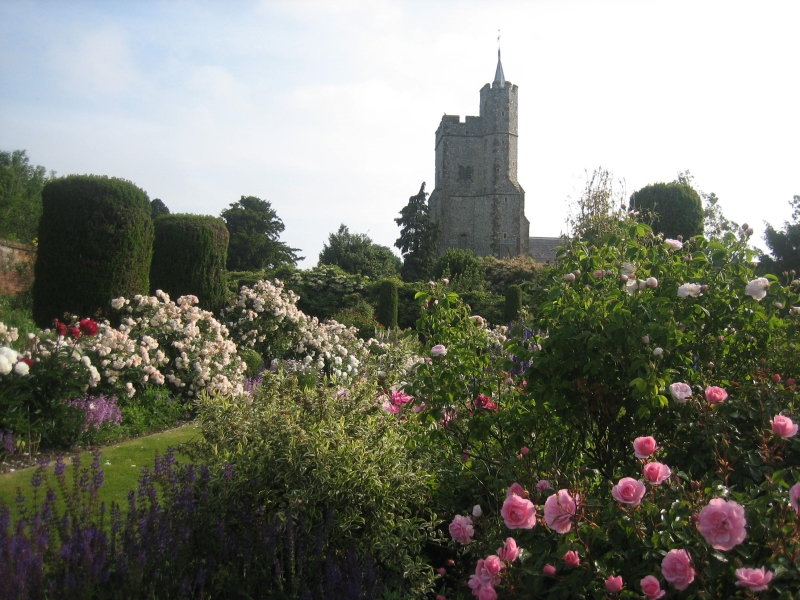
477,199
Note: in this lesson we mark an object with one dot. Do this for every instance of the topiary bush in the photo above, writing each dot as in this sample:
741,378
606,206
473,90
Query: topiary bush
189,256
676,208
95,244
387,304
513,304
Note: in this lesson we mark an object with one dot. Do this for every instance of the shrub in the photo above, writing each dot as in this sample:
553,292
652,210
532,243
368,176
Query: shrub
326,289
676,208
464,270
189,255
361,317
513,304
387,305
95,243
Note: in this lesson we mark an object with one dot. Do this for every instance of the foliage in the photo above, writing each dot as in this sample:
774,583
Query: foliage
462,268
20,196
361,316
189,256
513,305
675,207
784,245
419,237
95,243
158,208
387,304
501,273
357,254
255,230
327,289
715,223
313,451
15,311
594,213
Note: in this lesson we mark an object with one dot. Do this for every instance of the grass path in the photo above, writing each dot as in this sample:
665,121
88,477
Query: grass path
121,464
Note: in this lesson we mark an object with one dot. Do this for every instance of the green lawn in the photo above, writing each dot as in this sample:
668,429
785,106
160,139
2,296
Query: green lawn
121,464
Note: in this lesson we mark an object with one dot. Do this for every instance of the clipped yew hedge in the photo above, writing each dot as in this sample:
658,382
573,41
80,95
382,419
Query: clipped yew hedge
95,244
189,256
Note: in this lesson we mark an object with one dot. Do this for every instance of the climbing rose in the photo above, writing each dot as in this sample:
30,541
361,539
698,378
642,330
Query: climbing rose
757,288
651,587
493,564
674,244
629,491
681,392
438,350
549,570
677,569
559,510
655,473
689,289
715,394
572,558
543,485
783,426
515,488
644,446
487,592
614,584
509,551
477,511
518,513
756,580
722,523
88,327
794,497
461,529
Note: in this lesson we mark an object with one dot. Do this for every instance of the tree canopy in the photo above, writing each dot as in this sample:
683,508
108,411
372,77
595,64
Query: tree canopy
21,186
356,253
255,230
675,208
419,236
784,245
158,208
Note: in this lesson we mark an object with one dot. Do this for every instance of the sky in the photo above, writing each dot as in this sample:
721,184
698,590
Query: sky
328,108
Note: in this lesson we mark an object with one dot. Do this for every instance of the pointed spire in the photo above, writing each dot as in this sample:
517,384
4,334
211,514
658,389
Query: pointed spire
499,78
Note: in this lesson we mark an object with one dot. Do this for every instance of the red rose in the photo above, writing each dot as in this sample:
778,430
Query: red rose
61,328
75,332
89,327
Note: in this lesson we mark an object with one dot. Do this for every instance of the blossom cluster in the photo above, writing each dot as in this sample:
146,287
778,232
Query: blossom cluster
98,410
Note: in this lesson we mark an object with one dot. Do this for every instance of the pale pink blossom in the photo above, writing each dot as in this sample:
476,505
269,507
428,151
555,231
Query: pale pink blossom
515,489
493,564
441,571
549,570
651,282
477,511
655,473
757,288
722,523
559,510
673,244
755,580
485,575
681,392
524,450
677,569
572,559
461,529
570,277
487,592
644,446
715,394
614,584
783,426
794,497
438,350
689,289
509,551
518,512
629,491
651,588
599,273
543,485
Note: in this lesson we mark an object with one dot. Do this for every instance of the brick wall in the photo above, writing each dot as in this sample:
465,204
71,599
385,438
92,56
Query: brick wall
16,266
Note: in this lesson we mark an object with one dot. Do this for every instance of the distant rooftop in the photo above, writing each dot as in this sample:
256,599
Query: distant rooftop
543,249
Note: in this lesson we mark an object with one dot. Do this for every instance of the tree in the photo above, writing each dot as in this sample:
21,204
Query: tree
357,254
675,208
419,238
784,245
20,196
594,213
158,208
255,231
464,270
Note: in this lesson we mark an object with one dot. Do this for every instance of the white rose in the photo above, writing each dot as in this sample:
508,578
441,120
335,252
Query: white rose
757,288
21,368
5,365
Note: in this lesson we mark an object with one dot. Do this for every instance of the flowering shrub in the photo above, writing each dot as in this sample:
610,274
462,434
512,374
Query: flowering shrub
98,410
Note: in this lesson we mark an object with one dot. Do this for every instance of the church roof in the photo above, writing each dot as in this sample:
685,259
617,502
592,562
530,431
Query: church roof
499,78
543,249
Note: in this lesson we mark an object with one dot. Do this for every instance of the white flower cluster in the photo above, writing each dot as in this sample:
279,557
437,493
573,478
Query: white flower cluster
8,334
161,341
10,361
45,345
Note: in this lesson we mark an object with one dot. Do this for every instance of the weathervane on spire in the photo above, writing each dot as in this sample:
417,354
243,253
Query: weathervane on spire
499,77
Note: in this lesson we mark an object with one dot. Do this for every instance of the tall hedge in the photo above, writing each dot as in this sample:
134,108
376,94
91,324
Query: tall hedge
387,304
676,208
513,303
189,257
95,244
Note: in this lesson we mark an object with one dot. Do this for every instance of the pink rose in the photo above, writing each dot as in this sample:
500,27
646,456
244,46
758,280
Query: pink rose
783,426
484,574
599,273
518,512
549,570
794,497
487,592
509,551
441,571
644,446
722,523
493,564
629,491
438,350
681,392
559,509
715,394
614,584
524,450
677,569
440,597
461,529
515,489
572,559
655,473
756,580
651,588
543,485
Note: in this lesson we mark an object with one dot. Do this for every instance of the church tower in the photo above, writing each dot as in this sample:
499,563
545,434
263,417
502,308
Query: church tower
477,199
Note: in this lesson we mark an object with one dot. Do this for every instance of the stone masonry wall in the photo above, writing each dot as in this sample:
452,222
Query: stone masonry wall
16,267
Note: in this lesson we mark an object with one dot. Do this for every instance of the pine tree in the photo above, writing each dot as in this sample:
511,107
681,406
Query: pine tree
419,237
